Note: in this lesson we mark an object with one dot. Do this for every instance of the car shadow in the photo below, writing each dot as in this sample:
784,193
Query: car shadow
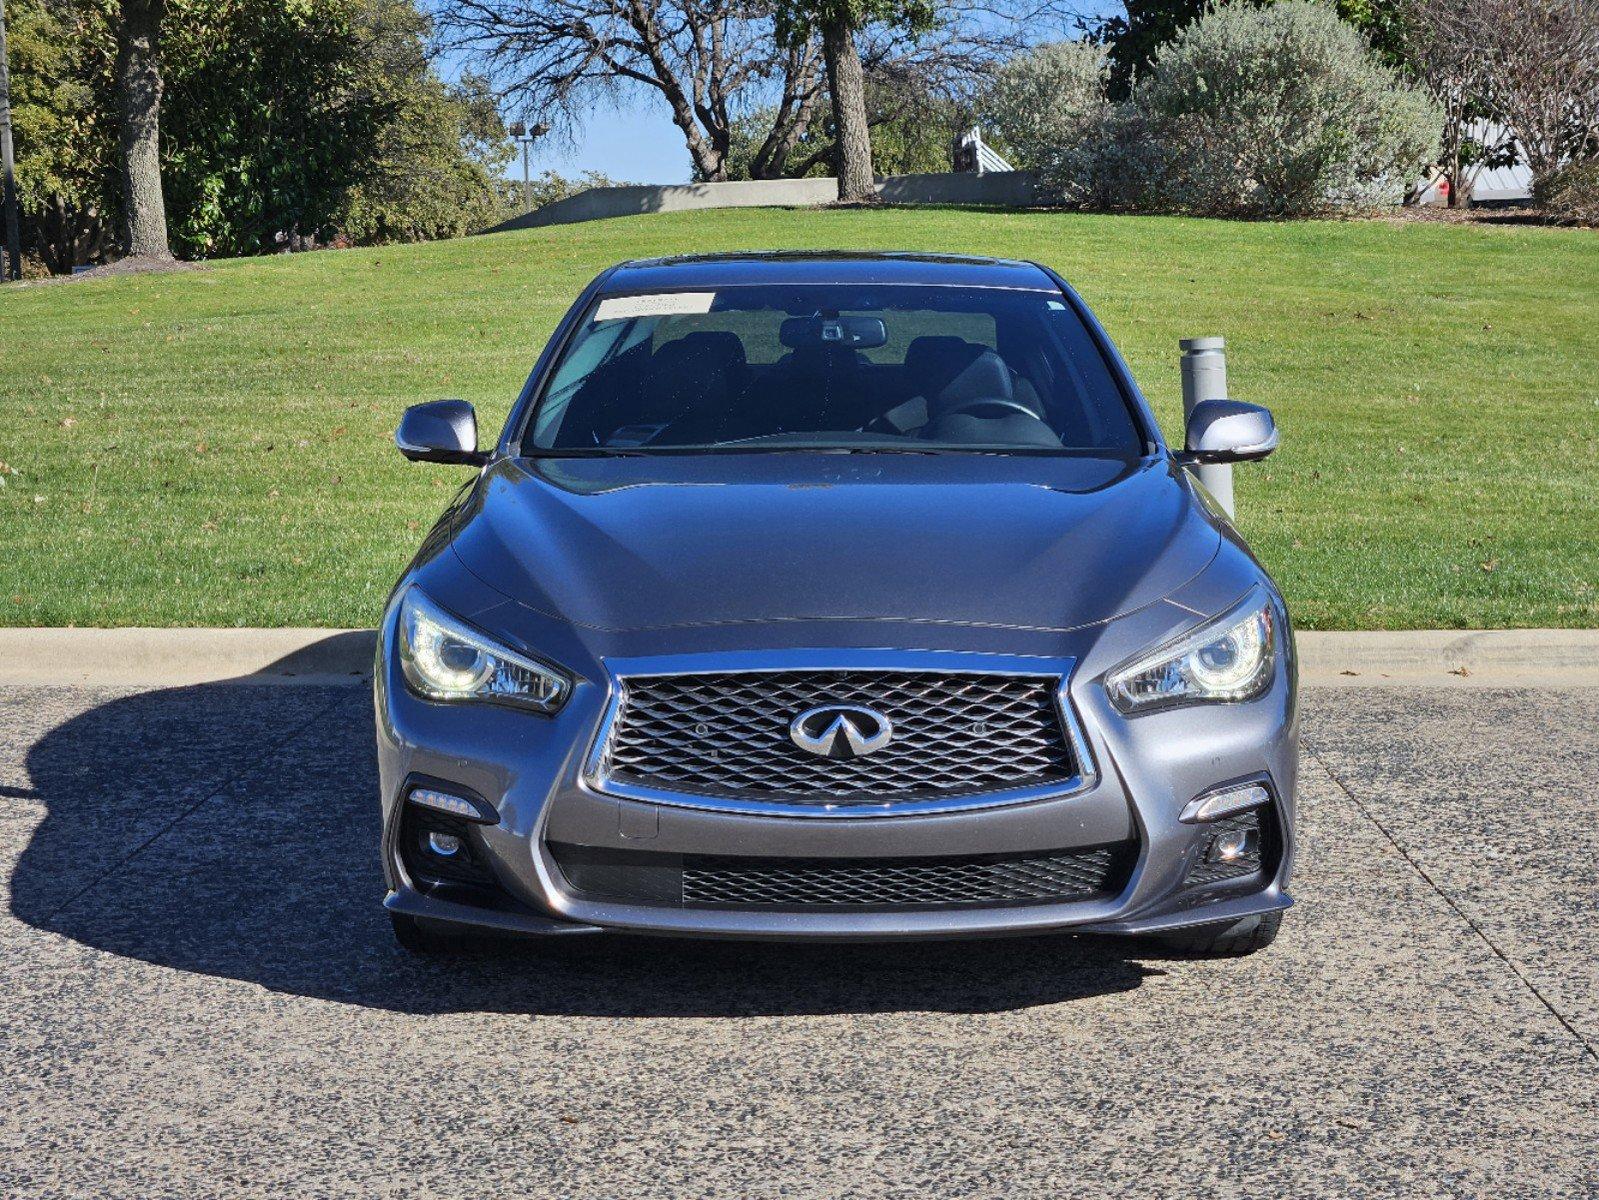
231,830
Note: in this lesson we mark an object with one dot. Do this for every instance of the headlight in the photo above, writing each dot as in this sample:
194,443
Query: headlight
1229,659
445,659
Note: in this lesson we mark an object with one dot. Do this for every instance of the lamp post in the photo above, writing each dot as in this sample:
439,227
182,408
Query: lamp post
1204,365
8,172
527,135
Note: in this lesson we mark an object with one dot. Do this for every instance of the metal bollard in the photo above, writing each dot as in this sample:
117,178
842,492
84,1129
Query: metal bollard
1204,365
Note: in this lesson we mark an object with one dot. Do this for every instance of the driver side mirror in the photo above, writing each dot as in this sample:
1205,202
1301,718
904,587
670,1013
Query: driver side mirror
1224,431
441,431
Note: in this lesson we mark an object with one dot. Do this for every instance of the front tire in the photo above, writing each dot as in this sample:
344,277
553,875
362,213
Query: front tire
1229,939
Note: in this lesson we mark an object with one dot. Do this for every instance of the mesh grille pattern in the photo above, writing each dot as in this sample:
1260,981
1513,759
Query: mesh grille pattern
1246,864
727,734
423,865
1063,875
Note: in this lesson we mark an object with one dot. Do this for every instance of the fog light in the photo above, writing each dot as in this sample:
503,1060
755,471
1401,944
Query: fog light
1224,803
1231,846
445,845
446,802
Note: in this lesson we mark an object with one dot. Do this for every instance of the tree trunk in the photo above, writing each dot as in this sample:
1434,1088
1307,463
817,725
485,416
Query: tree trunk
11,226
847,84
801,91
144,212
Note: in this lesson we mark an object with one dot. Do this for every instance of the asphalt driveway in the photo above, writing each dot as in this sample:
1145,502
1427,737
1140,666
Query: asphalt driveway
199,995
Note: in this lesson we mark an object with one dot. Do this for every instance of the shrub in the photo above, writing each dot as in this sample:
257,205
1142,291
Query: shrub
1571,193
1273,112
1047,101
1282,111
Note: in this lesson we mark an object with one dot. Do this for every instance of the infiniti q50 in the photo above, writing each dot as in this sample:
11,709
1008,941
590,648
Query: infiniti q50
835,596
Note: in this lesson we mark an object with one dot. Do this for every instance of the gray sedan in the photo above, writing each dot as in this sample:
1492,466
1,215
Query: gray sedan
845,596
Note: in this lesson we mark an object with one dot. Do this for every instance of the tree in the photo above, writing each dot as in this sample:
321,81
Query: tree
292,124
439,167
144,212
1256,111
10,227
282,124
1509,74
1047,97
1443,39
839,23
557,60
725,69
64,111
912,131
1147,25
1543,77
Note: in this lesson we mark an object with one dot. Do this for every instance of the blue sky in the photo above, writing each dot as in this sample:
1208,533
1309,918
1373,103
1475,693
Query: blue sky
636,143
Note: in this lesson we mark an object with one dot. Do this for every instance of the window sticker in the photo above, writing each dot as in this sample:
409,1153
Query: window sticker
661,304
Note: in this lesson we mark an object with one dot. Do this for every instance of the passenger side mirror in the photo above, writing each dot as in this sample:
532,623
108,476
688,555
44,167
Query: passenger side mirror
441,431
1223,431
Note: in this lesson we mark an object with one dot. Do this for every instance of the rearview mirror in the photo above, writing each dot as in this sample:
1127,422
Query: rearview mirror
441,431
844,333
1222,431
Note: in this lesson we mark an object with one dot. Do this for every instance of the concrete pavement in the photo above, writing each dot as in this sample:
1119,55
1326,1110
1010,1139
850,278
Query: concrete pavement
199,995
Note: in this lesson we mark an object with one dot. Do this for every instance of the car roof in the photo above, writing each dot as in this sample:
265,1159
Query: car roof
823,266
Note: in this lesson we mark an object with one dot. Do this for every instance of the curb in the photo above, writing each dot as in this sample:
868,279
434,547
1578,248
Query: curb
1451,658
143,658
178,657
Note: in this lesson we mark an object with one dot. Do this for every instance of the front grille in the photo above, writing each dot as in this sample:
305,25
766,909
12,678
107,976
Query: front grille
727,734
726,881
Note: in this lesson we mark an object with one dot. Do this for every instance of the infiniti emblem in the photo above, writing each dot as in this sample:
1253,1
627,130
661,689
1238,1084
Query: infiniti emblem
841,731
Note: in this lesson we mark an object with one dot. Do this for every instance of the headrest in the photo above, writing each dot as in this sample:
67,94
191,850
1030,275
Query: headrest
986,379
703,350
931,362
949,372
696,367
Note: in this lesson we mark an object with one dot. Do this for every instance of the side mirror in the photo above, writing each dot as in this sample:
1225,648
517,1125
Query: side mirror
441,431
1223,431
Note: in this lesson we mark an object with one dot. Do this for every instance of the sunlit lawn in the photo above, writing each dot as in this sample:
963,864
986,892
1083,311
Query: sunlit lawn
213,447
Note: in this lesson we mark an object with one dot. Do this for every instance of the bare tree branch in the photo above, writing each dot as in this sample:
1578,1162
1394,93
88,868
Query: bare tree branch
709,61
1524,71
556,60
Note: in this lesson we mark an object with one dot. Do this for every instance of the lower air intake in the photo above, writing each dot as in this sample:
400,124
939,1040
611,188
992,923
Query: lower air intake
722,881
424,865
1259,826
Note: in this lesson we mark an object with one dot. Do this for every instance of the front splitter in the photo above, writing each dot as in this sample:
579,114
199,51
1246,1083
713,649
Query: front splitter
803,927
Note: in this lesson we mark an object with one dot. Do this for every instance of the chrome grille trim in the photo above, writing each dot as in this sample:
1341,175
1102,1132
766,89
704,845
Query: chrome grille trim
598,777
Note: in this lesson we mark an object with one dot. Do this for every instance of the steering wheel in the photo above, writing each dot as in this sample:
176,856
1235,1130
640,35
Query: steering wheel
1003,407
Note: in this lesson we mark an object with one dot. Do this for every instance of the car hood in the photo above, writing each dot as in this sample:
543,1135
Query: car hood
646,542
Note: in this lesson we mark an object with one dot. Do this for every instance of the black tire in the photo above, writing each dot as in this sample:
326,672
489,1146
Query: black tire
1229,939
417,938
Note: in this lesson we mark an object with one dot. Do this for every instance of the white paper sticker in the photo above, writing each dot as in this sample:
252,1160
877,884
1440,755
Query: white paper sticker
661,304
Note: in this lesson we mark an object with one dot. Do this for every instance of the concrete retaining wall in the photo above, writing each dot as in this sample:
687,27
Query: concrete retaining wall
1011,189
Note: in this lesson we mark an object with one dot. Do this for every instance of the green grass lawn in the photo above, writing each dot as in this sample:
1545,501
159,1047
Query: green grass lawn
213,447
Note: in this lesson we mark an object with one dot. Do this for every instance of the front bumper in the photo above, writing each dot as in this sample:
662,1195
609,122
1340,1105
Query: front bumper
535,772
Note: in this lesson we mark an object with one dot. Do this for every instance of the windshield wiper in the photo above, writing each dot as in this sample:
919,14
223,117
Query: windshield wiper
782,448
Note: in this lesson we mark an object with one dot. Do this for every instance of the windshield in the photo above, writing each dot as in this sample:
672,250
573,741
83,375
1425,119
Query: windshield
859,367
